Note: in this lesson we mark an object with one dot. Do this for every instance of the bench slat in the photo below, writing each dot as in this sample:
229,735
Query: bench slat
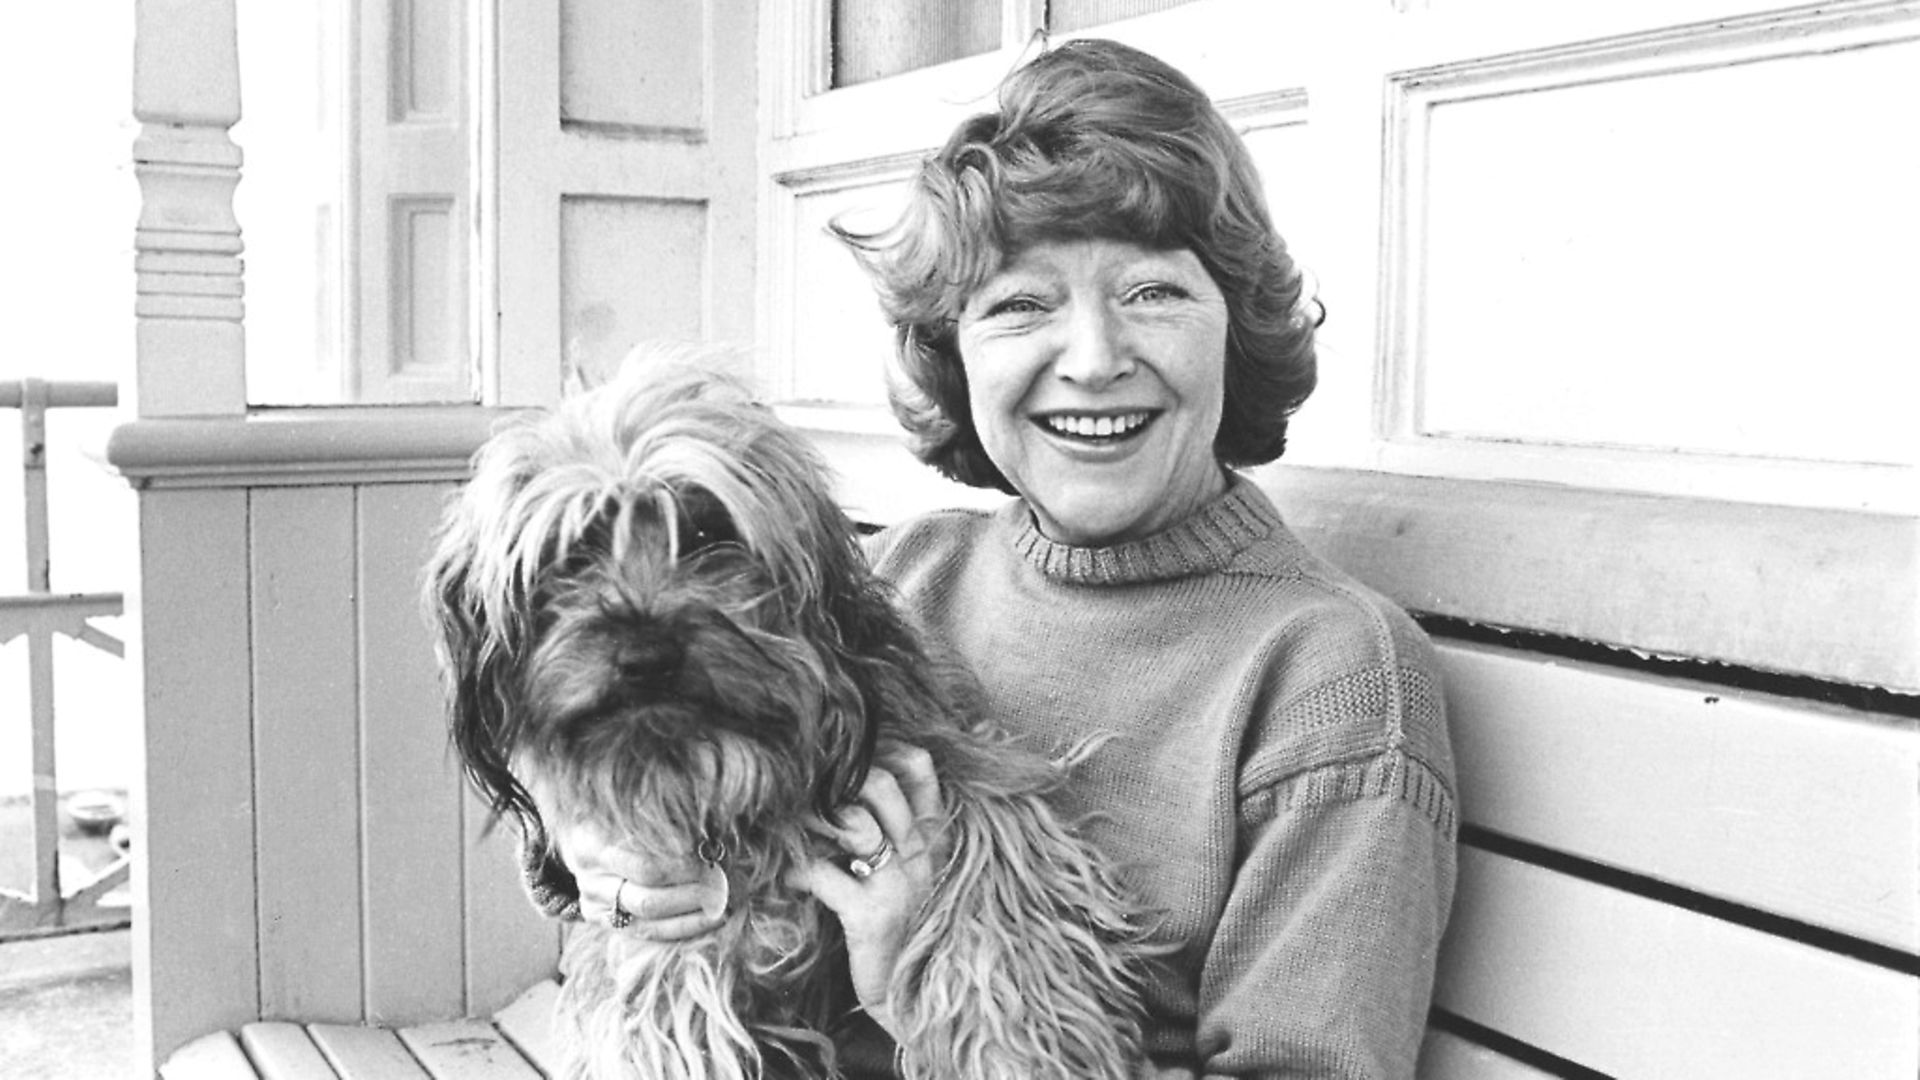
282,1051
215,1056
1633,987
466,1050
528,1022
1446,1056
365,1053
1794,808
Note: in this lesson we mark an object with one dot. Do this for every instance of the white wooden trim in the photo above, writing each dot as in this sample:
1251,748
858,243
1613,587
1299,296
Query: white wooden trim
1828,593
1685,783
305,446
1632,987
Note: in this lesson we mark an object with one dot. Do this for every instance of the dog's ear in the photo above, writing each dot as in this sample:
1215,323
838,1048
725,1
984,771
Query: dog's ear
898,690
474,665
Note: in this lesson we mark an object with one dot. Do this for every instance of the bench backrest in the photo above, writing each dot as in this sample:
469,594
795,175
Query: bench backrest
1690,804
1662,877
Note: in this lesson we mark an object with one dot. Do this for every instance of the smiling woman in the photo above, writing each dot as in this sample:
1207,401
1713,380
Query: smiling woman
1094,312
1094,372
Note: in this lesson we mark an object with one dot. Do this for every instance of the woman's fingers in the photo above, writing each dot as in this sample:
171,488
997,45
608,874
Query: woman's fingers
647,901
912,770
857,833
662,913
882,797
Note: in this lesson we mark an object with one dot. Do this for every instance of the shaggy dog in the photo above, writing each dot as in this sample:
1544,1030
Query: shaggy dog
655,619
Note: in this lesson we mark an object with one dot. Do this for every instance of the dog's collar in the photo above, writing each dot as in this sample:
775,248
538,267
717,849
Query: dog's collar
711,851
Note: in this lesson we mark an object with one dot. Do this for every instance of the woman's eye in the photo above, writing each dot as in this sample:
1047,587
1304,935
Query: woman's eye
1155,291
1016,305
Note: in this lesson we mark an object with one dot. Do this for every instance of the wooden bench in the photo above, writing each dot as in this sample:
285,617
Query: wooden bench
1661,877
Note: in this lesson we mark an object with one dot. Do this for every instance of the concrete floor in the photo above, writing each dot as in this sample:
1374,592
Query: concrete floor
66,1008
66,1003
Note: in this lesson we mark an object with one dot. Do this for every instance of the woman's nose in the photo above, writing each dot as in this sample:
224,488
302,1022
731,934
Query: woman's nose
1095,352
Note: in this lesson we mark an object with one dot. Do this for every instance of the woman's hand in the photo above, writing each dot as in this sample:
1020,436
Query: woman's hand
655,899
893,836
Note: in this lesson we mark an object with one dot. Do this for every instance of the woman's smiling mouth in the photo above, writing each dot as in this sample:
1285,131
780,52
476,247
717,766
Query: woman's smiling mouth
1102,428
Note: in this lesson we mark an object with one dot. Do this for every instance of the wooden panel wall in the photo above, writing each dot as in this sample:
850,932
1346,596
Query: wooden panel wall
317,855
622,158
196,944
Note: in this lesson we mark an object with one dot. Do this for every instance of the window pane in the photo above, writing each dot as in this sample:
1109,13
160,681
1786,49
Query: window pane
876,38
288,202
1066,16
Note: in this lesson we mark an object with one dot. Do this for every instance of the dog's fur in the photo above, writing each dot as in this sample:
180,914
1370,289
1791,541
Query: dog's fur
653,613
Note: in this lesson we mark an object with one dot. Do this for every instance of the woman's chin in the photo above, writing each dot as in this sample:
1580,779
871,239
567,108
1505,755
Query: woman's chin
1096,519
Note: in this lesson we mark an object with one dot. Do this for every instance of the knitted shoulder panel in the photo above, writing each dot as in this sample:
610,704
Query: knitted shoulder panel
1354,707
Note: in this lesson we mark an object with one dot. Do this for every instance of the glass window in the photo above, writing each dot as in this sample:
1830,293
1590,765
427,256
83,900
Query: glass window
1066,16
873,39
289,203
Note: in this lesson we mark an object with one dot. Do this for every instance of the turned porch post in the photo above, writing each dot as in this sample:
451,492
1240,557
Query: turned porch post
194,951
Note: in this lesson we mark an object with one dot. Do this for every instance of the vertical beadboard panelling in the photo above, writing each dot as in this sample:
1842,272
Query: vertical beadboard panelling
409,787
195,955
509,944
305,753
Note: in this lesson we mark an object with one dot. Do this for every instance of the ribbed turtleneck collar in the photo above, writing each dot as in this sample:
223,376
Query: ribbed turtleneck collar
1203,543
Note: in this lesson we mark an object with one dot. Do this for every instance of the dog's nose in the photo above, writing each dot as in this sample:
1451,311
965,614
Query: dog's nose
649,659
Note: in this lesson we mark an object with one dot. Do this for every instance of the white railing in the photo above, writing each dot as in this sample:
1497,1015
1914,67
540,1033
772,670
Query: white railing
39,614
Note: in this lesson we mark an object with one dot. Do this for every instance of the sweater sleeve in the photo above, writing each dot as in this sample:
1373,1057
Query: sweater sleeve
1322,964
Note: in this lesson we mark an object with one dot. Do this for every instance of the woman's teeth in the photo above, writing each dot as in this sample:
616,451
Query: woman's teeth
1097,427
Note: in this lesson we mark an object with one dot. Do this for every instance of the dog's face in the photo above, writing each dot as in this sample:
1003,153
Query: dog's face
655,618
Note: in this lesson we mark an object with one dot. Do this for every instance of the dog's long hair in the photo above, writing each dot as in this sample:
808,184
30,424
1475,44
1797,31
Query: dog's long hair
653,615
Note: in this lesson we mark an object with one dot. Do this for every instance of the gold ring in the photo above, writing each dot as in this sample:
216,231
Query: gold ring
864,866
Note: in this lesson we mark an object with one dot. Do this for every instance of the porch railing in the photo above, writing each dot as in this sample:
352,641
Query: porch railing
39,614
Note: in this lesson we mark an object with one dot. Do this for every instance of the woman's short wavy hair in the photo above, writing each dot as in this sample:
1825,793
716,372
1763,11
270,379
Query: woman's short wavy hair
1092,140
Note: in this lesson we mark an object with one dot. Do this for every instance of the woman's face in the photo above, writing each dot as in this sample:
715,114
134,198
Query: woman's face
1095,371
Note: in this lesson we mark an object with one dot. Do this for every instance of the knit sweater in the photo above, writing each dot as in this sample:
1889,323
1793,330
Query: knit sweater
1275,779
